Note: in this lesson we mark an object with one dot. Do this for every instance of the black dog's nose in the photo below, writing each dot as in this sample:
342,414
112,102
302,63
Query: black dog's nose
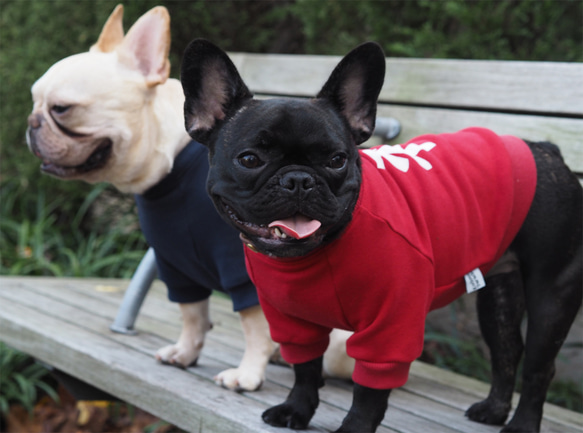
296,181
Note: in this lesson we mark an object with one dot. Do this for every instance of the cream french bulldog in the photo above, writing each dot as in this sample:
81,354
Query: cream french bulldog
113,115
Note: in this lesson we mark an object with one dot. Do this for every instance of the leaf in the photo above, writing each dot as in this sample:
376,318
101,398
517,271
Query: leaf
27,389
3,405
49,390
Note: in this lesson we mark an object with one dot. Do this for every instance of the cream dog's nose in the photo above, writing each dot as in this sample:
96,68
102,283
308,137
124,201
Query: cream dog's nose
35,120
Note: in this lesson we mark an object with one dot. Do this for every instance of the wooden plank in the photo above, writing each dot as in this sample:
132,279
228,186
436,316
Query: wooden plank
65,323
72,307
566,133
327,416
477,389
81,311
191,404
545,87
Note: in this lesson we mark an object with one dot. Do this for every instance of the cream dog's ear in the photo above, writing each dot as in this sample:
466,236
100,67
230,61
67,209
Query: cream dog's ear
112,33
146,46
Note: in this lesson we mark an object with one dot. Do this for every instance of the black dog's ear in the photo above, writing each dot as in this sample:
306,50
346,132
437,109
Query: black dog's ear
354,86
213,88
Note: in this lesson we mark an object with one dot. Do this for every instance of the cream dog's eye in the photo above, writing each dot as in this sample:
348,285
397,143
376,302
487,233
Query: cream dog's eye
250,160
60,109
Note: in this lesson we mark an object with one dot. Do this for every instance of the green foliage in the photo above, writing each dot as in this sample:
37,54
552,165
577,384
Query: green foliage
44,241
497,29
453,353
566,394
20,380
36,33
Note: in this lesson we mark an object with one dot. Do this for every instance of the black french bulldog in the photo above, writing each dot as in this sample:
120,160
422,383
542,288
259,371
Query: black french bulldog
287,174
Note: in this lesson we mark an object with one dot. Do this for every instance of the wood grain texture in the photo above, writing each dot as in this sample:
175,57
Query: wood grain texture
537,87
65,323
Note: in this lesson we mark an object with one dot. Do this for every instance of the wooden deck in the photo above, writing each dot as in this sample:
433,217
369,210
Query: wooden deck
65,323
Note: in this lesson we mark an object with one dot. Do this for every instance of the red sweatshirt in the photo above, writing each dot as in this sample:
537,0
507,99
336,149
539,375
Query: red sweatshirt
429,212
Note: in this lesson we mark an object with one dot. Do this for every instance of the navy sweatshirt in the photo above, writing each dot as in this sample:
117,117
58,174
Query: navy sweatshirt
196,251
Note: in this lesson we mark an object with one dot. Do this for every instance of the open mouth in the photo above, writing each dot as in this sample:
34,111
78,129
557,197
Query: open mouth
298,227
295,230
96,160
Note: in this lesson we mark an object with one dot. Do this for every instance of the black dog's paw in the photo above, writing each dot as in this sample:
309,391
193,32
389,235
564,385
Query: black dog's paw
355,427
510,428
489,411
288,415
524,421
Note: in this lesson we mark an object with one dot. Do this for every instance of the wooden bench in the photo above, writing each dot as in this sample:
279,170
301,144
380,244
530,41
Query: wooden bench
65,322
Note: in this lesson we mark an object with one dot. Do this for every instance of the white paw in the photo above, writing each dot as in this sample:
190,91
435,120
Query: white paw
178,355
239,379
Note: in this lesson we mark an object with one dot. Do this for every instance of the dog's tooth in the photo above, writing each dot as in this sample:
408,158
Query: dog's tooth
278,232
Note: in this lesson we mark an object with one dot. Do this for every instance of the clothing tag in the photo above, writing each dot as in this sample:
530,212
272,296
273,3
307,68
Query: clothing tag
474,280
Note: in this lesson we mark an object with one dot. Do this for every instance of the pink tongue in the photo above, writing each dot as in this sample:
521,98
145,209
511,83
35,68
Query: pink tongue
298,226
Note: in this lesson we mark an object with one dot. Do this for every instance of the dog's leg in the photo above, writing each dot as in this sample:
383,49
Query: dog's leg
550,315
500,311
258,349
337,363
367,411
195,324
302,401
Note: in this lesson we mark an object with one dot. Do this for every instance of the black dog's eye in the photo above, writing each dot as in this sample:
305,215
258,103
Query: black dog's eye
60,109
250,160
337,162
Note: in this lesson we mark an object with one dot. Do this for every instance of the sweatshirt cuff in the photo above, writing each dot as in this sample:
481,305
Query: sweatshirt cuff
381,375
300,353
243,296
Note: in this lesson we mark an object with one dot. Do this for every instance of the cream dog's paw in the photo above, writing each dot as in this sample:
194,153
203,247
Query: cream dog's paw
178,355
240,379
195,324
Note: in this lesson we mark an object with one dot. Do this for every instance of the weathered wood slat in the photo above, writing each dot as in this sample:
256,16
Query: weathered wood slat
111,366
74,312
64,322
565,132
481,84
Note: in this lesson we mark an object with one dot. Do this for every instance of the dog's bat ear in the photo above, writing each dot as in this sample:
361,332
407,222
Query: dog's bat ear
112,33
213,88
354,86
146,46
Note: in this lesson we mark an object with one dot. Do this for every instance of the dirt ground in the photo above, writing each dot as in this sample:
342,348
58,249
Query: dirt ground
71,416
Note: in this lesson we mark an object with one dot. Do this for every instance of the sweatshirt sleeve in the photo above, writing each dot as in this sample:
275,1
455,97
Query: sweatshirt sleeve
390,324
300,341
